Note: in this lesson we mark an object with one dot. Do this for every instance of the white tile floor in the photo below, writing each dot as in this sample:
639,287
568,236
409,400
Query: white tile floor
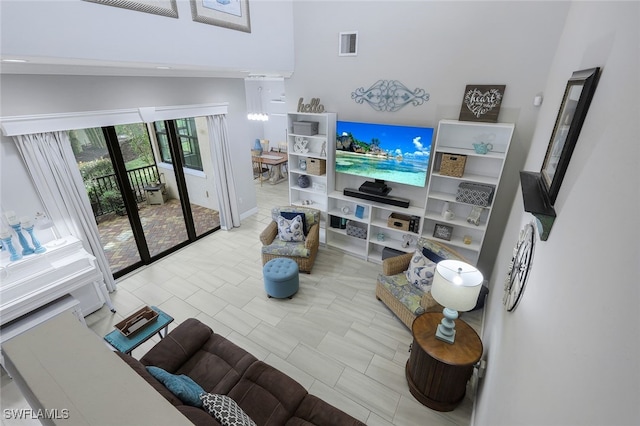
333,337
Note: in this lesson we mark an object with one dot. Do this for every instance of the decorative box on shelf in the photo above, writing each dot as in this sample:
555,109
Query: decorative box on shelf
307,128
357,229
316,166
399,221
453,165
475,193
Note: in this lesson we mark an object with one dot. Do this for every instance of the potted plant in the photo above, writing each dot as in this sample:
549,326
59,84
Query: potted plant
113,199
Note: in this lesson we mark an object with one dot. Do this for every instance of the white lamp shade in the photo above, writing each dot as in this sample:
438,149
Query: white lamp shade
456,285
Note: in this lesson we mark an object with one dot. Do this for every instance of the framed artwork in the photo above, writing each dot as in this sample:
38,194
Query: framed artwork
232,14
444,232
481,103
573,110
157,7
359,213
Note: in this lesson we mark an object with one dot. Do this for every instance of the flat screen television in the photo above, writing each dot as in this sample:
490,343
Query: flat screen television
384,152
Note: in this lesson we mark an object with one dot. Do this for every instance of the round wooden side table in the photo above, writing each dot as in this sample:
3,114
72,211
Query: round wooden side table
437,372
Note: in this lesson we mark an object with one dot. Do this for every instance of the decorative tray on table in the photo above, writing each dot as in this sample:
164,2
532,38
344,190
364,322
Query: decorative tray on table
136,321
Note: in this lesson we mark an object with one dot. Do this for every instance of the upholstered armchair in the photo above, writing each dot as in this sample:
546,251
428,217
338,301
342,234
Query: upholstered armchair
393,288
302,252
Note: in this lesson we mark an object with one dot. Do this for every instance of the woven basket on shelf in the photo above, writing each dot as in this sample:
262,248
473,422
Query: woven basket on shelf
316,166
453,165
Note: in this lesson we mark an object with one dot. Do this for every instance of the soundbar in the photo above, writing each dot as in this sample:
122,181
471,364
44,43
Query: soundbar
400,202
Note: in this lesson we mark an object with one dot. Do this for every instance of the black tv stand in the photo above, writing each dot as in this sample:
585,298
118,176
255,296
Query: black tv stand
376,188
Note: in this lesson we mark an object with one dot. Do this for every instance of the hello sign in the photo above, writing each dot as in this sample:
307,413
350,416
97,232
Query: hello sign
481,103
314,106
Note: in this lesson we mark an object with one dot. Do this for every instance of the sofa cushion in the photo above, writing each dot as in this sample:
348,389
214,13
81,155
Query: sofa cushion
139,368
267,395
218,365
225,410
180,385
179,346
315,411
401,289
283,248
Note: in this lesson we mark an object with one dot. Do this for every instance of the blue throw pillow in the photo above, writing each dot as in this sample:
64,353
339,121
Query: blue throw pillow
180,385
291,215
431,255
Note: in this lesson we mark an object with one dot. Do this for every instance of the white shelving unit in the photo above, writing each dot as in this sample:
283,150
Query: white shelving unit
319,185
375,220
458,137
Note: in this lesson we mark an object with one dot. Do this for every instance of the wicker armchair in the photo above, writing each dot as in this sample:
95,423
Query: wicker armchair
394,290
303,253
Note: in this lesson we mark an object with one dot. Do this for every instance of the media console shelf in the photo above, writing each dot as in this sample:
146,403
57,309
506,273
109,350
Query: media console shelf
375,219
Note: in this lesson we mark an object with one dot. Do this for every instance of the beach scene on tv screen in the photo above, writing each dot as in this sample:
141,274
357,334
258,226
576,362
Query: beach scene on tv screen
387,152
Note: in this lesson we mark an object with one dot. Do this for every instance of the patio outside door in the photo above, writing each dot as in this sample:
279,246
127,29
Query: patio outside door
137,217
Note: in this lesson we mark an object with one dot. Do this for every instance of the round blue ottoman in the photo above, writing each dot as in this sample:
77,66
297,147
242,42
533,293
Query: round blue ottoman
281,277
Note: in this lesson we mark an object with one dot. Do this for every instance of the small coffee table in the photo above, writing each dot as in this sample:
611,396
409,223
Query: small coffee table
127,344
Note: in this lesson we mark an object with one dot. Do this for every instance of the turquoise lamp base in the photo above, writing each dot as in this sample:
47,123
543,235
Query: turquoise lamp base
447,328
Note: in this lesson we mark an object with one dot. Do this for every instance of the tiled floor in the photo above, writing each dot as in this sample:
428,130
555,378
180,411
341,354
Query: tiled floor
333,337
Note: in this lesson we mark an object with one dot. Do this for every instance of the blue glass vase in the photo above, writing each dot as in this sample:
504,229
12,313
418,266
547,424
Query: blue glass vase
257,147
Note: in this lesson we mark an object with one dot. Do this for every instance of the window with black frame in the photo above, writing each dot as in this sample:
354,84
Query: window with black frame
188,137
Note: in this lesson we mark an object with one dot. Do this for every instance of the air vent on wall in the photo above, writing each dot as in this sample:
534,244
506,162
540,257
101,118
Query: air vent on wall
348,44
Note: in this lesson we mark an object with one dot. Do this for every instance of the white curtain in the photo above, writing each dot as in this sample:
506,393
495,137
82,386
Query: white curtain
223,171
52,166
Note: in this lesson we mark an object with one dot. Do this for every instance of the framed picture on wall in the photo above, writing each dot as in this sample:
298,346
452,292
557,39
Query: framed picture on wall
157,7
573,110
232,14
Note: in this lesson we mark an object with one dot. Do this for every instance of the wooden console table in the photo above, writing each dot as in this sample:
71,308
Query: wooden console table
437,372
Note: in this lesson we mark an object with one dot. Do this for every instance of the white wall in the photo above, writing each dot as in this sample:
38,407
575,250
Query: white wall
570,353
37,94
437,46
86,32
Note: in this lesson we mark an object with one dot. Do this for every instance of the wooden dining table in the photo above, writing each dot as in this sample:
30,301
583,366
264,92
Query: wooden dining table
276,160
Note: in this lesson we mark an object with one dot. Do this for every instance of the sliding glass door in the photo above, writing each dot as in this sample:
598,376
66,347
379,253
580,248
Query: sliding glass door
141,204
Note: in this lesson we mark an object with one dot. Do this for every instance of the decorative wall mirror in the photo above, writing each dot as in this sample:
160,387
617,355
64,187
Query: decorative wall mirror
573,110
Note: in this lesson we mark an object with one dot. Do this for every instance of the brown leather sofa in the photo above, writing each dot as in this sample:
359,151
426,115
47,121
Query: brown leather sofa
267,396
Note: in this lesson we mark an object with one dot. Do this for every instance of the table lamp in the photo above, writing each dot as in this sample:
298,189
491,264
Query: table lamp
456,286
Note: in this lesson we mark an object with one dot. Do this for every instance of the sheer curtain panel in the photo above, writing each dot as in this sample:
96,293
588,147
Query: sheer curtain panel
50,162
223,171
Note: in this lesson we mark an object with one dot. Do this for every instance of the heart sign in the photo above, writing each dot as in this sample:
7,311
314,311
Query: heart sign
481,103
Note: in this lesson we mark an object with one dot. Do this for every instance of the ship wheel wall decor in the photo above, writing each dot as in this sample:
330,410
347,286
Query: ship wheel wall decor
519,268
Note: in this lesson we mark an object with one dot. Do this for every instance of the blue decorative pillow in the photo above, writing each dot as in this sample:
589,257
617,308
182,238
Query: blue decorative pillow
291,215
180,385
434,257
420,272
290,230
225,410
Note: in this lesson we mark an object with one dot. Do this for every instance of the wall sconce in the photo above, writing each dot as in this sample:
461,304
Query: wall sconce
255,109
456,286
